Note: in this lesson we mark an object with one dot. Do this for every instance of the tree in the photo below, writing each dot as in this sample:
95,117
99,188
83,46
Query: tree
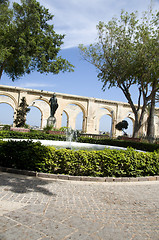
21,113
28,42
121,126
147,61
118,56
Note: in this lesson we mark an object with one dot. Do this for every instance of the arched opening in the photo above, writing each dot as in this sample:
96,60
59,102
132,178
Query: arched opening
105,124
33,118
6,114
79,121
73,117
104,121
64,119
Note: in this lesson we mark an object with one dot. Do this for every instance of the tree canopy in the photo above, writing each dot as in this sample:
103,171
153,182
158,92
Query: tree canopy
121,126
126,54
28,42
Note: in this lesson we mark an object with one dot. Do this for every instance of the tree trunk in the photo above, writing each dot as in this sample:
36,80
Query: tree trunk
1,71
151,126
137,126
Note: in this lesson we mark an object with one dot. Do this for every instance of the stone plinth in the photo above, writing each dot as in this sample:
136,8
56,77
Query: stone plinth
51,121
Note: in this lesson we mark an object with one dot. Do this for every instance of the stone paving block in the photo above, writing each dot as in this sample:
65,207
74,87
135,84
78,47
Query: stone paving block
78,235
99,179
125,179
109,179
54,229
86,225
152,178
74,178
63,177
20,232
85,178
25,218
58,215
157,178
47,175
117,179
143,179
6,223
134,179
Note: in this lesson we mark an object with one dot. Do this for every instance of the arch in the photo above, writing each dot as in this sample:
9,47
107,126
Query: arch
79,121
78,104
6,113
8,98
65,122
72,110
105,124
34,120
38,99
103,112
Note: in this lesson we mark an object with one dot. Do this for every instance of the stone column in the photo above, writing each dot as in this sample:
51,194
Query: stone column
91,117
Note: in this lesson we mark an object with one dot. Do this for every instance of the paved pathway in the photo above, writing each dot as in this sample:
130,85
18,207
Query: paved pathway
41,209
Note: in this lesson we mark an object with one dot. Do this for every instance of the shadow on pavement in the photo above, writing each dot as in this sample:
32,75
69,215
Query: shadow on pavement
23,184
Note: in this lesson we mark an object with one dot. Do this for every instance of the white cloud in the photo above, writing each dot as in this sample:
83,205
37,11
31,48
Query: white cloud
77,19
35,84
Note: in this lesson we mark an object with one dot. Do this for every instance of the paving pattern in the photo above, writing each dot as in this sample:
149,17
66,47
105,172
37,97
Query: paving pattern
42,209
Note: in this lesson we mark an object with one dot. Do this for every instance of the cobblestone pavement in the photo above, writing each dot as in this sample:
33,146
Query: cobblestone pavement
42,209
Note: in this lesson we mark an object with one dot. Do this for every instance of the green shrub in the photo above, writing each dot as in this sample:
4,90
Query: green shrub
23,155
113,163
33,134
150,147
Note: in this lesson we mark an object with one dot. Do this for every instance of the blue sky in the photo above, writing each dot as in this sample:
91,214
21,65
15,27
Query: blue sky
77,19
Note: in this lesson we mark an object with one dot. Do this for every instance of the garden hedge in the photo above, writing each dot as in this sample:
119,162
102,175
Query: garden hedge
107,163
31,135
106,141
144,146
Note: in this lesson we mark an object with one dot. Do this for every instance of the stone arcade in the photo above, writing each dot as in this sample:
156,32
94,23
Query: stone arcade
92,108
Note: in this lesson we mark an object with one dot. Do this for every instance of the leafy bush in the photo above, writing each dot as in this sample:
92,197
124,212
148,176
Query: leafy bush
150,147
113,163
23,155
33,134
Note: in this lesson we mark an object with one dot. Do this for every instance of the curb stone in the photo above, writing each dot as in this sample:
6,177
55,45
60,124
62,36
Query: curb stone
78,178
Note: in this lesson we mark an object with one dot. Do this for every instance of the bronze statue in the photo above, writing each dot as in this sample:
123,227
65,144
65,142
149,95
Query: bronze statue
53,105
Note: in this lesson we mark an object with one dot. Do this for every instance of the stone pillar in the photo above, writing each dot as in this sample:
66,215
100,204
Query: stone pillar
91,117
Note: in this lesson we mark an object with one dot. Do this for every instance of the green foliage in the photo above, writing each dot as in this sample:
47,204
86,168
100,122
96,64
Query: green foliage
6,127
121,126
48,128
33,134
21,113
23,155
144,146
28,42
126,54
112,163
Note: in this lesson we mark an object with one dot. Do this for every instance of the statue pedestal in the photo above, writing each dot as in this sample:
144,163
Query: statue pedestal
51,121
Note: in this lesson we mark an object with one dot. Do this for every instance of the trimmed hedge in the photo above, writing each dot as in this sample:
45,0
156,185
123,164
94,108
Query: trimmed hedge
106,141
150,147
107,163
31,135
